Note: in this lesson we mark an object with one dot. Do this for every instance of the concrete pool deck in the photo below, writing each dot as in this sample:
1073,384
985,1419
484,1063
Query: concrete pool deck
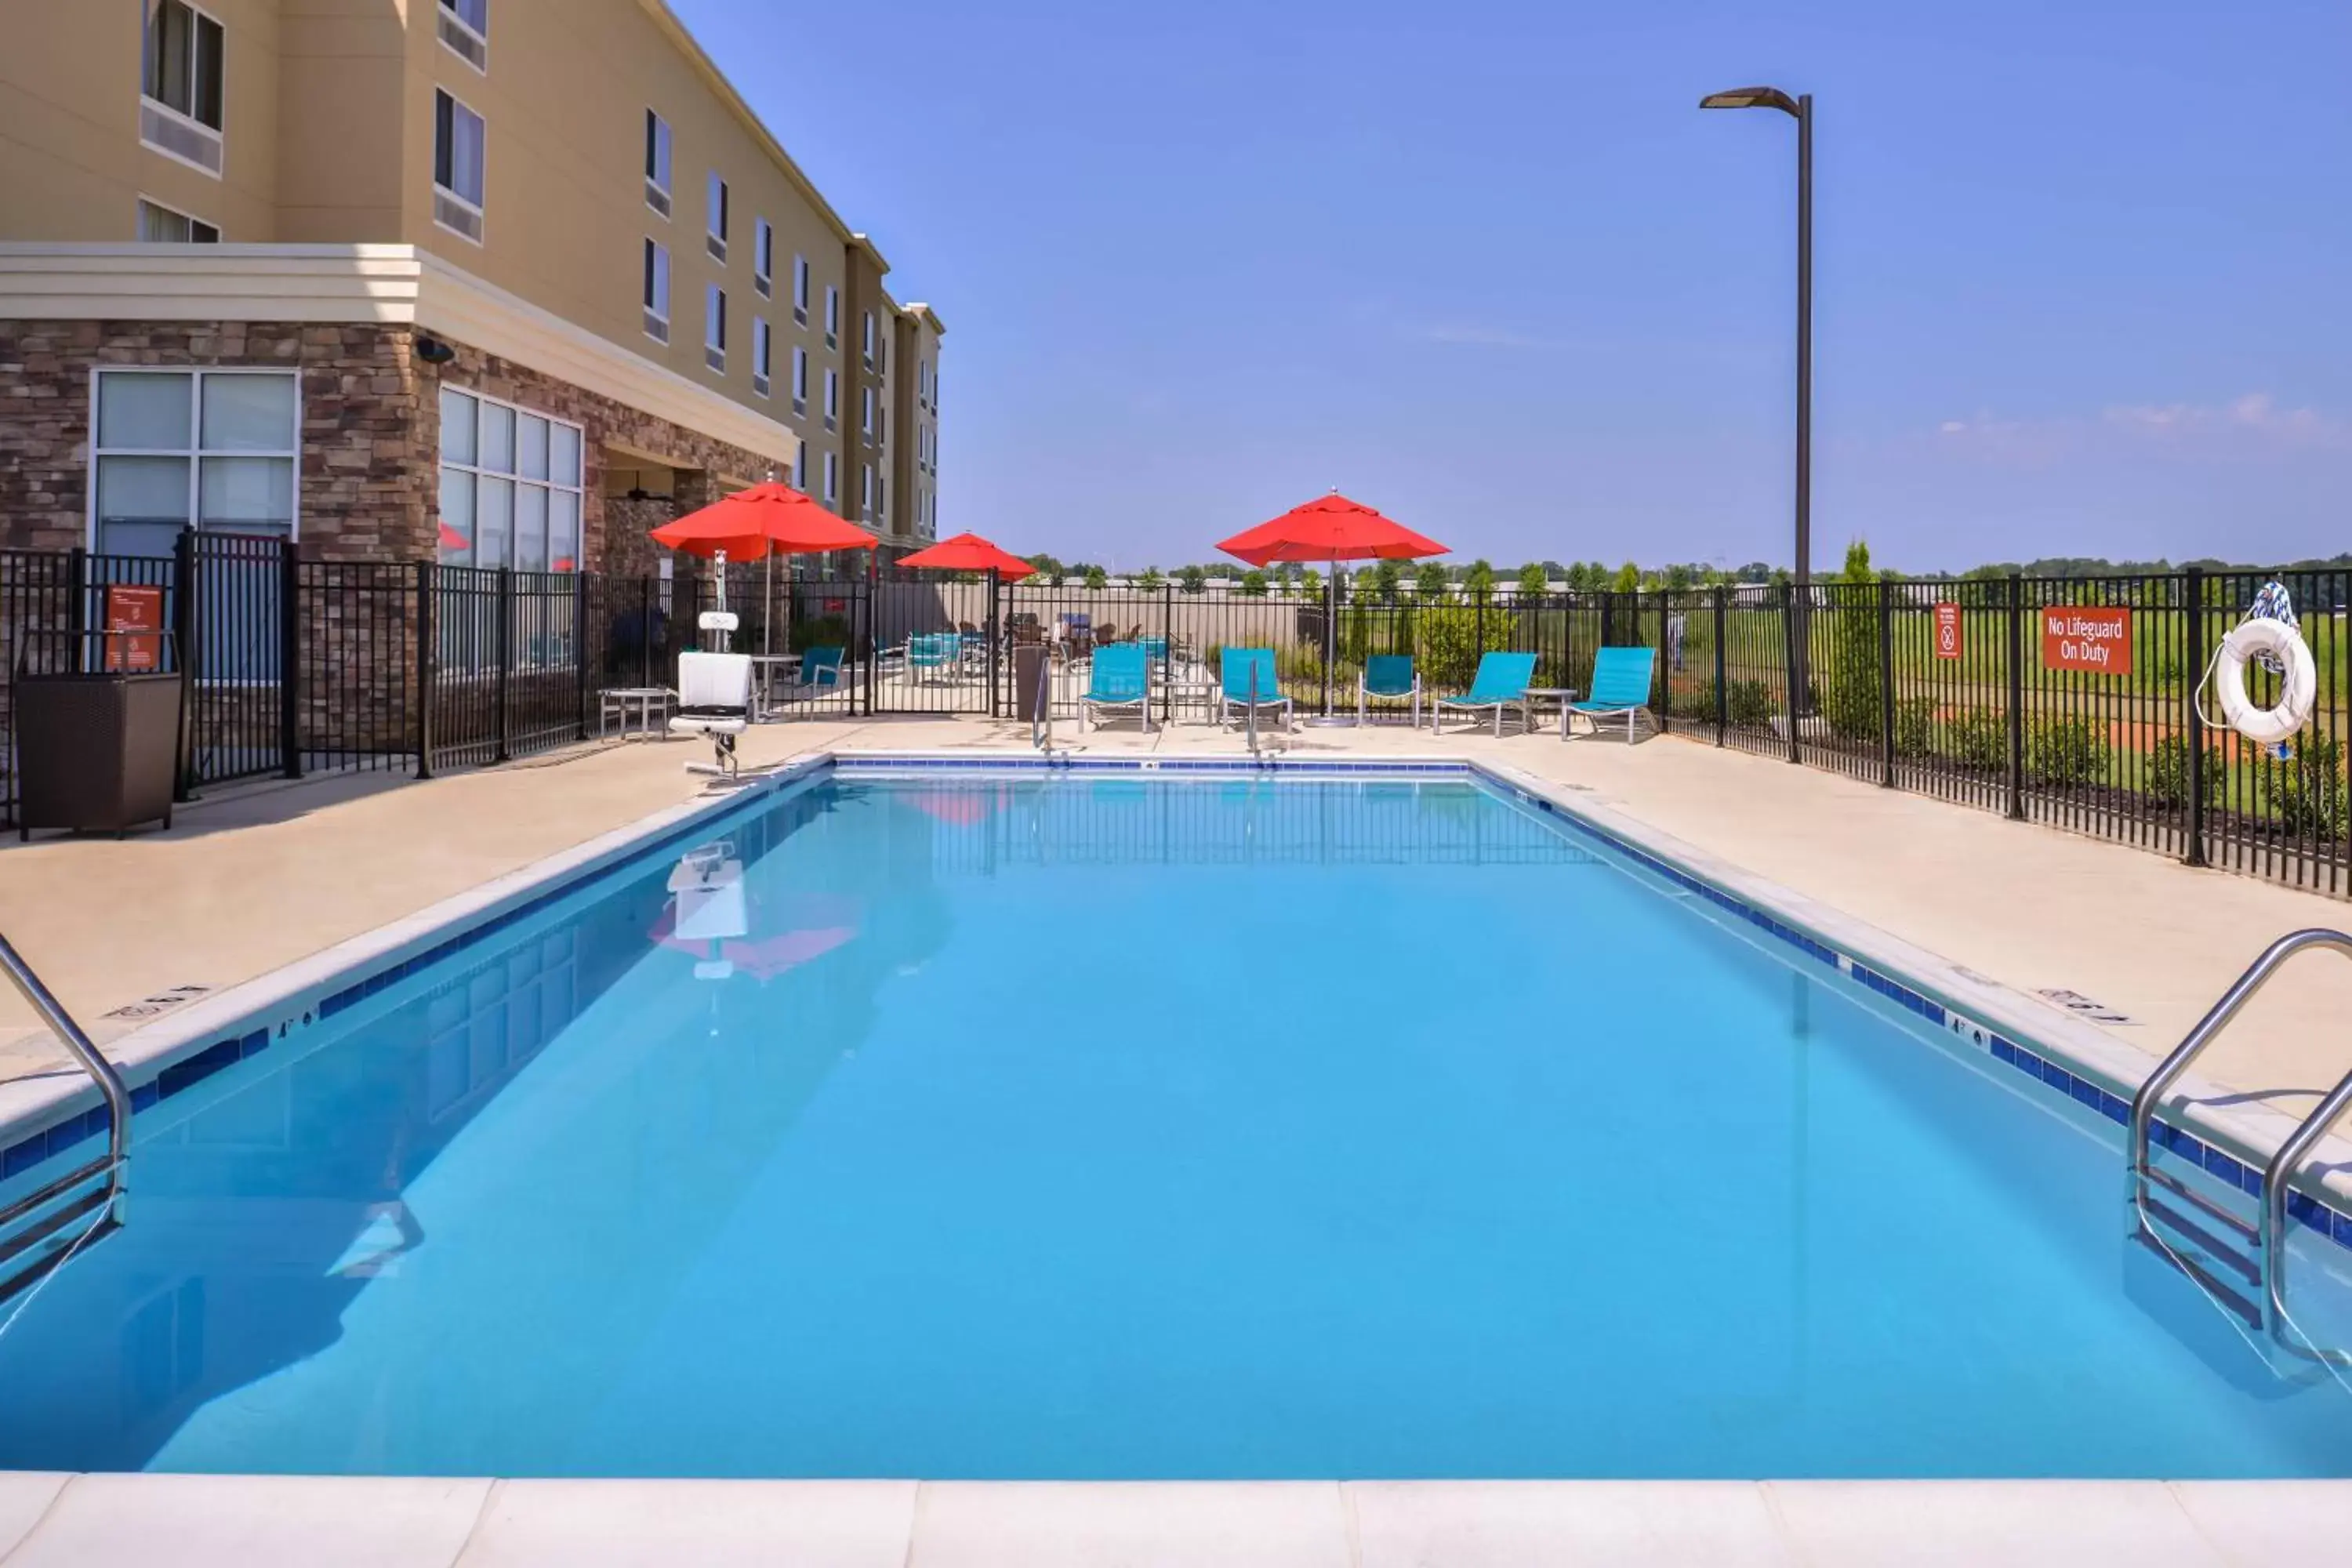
259,876
239,1521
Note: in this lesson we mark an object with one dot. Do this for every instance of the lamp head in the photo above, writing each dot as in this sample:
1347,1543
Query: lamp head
1752,98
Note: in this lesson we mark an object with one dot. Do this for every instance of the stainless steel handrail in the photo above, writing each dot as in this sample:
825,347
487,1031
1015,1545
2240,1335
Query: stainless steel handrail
2271,1226
118,1116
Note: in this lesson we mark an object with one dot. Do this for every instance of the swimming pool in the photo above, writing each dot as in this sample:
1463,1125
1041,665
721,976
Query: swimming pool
960,1125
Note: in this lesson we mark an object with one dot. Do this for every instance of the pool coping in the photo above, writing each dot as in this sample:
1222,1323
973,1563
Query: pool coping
40,1118
103,1520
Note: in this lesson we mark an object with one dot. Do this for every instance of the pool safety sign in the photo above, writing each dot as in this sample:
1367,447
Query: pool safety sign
136,613
1949,638
2078,637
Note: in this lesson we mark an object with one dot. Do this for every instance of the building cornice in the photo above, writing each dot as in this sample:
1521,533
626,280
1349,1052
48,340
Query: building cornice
928,317
382,284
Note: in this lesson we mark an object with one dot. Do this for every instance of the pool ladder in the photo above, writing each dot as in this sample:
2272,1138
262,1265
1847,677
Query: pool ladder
41,1229
2218,1240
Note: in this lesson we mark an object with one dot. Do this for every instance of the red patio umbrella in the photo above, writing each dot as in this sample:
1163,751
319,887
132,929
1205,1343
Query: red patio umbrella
968,553
1330,528
764,521
1334,529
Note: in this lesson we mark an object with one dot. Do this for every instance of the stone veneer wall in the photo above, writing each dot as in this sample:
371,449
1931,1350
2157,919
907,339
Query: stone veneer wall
364,496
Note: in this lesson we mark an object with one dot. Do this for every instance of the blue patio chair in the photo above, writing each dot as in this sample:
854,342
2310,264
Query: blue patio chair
1387,677
1621,687
1238,666
1119,676
933,651
820,668
1501,682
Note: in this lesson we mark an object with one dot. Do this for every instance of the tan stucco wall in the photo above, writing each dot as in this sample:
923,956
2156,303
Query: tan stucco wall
71,166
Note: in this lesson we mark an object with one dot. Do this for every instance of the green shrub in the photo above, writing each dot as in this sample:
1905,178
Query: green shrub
1915,727
2067,752
2307,790
819,631
1977,738
1448,643
1748,703
1852,709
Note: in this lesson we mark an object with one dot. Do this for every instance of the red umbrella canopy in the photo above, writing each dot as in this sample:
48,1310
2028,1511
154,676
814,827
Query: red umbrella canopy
1330,528
968,553
747,524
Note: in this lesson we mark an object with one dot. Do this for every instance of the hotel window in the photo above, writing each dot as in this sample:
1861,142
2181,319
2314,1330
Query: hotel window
923,381
458,159
800,381
882,427
832,316
179,449
714,327
162,226
657,162
800,289
882,359
657,291
869,338
832,476
760,355
832,398
764,259
511,486
882,496
935,392
716,200
466,31
800,466
866,412
865,489
180,84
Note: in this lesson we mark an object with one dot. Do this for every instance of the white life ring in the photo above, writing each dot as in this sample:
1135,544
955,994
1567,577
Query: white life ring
2298,691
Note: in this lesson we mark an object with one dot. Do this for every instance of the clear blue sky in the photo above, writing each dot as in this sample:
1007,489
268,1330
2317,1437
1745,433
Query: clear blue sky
2083,277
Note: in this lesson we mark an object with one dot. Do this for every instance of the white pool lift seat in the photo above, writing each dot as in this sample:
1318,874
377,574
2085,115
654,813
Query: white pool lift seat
714,697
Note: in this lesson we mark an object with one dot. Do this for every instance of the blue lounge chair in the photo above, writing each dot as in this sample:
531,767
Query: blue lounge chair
820,670
1387,677
1246,674
1501,682
1621,687
942,651
1119,676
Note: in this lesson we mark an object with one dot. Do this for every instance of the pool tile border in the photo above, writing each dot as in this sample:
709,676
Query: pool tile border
179,1066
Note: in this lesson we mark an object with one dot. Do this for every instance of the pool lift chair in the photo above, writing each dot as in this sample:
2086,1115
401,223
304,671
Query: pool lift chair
707,889
714,697
2240,1264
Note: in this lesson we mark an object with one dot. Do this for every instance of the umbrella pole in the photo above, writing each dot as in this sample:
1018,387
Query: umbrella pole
768,609
1331,634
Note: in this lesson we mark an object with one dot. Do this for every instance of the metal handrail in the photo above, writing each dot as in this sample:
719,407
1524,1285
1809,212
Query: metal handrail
2270,1231
116,1158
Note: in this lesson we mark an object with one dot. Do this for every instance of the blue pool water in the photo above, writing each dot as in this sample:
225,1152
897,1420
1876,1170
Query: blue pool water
1094,1128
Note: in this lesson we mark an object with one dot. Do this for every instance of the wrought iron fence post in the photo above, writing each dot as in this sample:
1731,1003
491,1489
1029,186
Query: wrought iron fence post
580,597
183,633
289,658
866,625
504,642
995,589
428,587
646,629
78,610
1722,692
2017,696
1608,615
1886,683
2193,722
1167,666
1330,633
1788,633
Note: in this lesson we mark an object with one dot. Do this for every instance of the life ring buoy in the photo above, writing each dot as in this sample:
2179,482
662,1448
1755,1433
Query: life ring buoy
2298,688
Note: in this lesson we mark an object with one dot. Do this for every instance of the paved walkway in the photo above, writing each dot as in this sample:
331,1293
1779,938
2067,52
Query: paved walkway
257,877
233,1521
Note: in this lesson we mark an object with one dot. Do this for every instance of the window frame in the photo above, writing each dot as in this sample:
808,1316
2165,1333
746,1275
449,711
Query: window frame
832,316
714,327
187,117
832,477
447,11
800,289
480,209
832,397
661,146
655,248
143,203
800,378
195,451
716,199
799,465
762,344
514,475
764,258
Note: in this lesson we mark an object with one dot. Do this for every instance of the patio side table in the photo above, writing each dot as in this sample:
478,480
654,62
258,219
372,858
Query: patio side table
1563,695
651,704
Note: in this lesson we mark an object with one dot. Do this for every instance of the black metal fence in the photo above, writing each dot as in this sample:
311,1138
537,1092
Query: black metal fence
2066,701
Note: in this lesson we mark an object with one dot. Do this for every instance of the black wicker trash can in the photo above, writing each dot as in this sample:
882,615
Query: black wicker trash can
96,750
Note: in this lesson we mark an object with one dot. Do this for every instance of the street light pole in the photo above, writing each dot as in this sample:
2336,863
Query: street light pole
1800,108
